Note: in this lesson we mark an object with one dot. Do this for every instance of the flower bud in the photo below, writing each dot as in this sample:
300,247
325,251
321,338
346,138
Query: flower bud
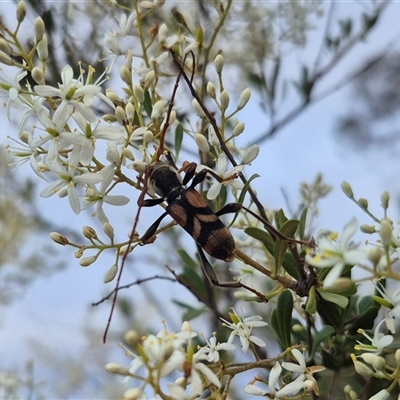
363,203
115,368
108,229
397,356
150,79
375,255
42,49
127,153
130,112
37,75
148,137
21,11
85,262
238,129
244,98
224,99
385,197
125,74
139,93
5,58
367,228
79,252
120,115
202,143
162,33
212,137
381,395
386,232
211,90
219,63
110,274
124,249
250,154
89,232
198,109
362,369
39,29
4,46
134,393
158,109
139,166
113,96
347,190
132,338
58,238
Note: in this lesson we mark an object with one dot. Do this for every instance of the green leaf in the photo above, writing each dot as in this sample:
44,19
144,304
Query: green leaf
320,336
178,139
302,225
246,188
262,236
243,194
288,228
284,309
330,313
187,260
365,320
290,266
280,218
311,306
147,103
190,312
334,298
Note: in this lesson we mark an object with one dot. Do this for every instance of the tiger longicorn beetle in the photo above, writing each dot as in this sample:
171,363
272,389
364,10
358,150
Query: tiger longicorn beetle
188,208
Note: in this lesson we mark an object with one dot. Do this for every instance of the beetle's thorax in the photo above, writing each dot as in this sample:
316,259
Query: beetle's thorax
165,181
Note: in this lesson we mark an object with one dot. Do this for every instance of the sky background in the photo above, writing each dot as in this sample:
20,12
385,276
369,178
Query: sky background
54,310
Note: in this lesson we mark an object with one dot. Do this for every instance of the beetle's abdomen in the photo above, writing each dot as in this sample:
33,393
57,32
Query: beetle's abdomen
193,214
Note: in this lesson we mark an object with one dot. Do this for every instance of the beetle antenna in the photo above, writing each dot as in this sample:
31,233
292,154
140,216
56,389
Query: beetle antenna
170,107
140,201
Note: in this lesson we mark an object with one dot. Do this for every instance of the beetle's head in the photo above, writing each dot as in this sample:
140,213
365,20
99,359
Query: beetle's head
163,179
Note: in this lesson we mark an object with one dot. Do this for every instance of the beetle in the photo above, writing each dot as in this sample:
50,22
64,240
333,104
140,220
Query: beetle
188,208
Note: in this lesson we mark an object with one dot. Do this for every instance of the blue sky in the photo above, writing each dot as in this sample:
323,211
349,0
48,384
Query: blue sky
54,310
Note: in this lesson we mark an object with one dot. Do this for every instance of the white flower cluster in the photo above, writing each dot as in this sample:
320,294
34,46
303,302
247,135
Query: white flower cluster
162,354
60,133
278,390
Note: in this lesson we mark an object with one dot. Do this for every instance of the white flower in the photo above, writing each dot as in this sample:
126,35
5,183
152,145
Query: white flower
228,177
26,152
74,95
68,179
196,370
243,328
87,139
12,89
335,255
101,196
211,351
392,297
378,342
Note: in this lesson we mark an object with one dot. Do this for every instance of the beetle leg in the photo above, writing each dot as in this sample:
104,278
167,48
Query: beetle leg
212,277
190,171
152,230
151,202
229,208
